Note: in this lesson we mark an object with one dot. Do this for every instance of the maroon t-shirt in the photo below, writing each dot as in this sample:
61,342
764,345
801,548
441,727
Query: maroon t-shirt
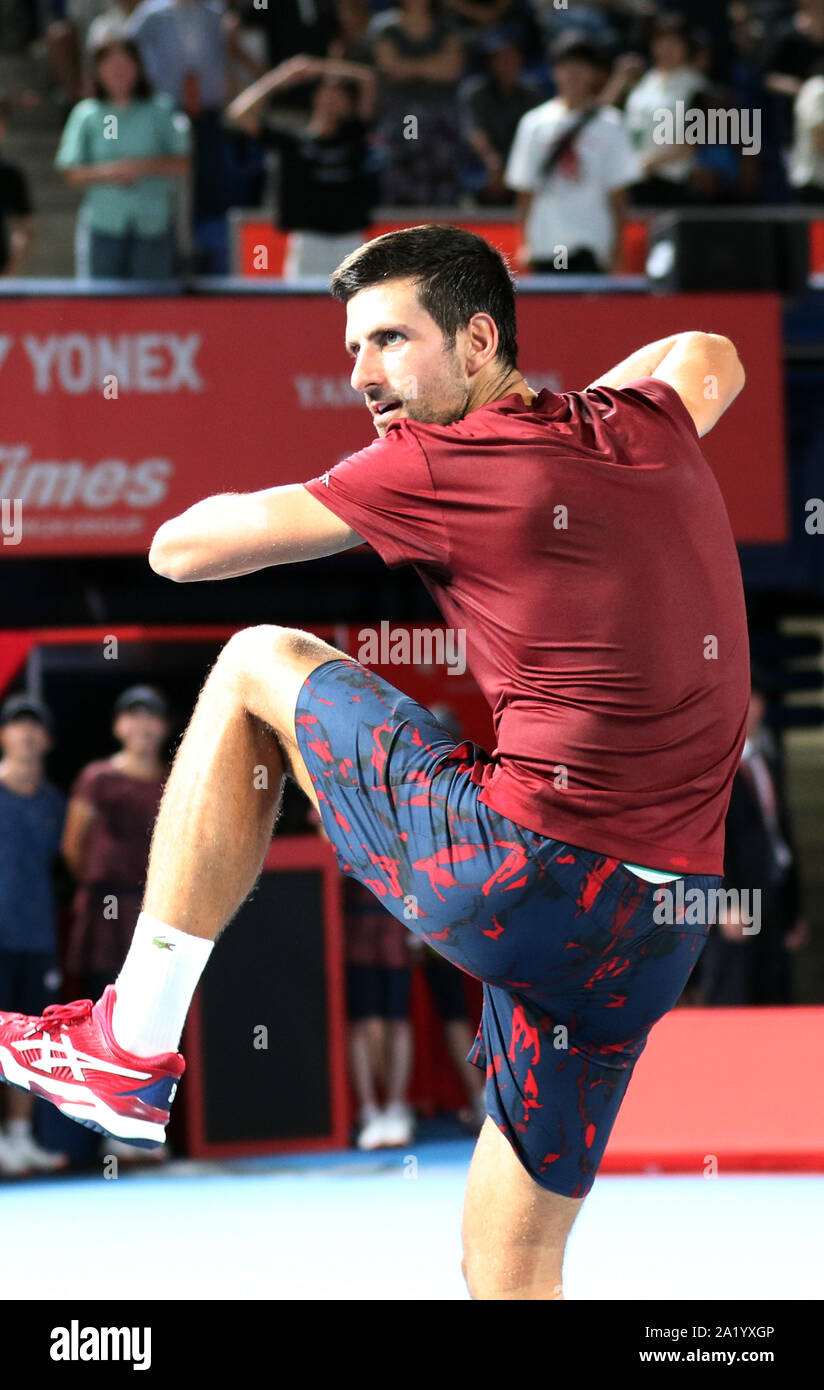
117,845
582,544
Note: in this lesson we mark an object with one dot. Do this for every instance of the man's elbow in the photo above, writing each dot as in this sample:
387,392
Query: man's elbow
167,556
722,368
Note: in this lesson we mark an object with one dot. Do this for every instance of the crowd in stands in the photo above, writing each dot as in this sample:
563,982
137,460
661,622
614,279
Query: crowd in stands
566,115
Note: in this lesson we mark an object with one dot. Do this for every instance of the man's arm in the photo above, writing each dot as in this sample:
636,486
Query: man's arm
704,368
237,533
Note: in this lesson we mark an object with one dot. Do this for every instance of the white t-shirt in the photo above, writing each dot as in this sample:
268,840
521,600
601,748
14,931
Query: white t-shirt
571,207
656,93
806,164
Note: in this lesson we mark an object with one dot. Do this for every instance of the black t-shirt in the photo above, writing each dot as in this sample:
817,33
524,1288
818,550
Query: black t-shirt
15,201
324,186
292,27
794,53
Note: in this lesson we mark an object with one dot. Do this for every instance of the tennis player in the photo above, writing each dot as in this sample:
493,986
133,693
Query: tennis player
580,542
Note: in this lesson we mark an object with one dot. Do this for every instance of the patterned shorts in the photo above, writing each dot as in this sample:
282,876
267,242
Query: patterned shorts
574,965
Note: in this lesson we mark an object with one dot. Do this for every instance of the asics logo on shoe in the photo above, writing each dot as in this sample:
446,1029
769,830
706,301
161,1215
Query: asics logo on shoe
163,943
54,1054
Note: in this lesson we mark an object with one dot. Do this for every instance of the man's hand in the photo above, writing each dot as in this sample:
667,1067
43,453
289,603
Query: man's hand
238,533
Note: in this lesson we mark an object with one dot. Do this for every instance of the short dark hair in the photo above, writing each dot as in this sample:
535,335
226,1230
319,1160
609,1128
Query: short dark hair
142,87
673,25
576,46
457,274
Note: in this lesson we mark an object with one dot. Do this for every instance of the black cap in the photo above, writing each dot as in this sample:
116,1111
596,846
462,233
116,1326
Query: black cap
25,707
142,696
575,43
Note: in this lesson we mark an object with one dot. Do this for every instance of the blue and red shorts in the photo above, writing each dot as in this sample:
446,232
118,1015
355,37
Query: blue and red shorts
575,967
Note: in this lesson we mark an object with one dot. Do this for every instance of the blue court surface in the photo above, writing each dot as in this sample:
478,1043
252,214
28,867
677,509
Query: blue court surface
386,1226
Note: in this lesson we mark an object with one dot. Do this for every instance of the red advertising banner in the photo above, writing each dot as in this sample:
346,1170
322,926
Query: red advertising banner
120,413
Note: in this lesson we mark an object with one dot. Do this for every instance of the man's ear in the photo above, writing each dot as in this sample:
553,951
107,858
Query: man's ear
482,342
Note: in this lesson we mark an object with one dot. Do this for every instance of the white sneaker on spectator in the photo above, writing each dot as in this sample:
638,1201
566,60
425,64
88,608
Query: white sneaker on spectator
23,1154
398,1125
370,1134
12,1163
33,1155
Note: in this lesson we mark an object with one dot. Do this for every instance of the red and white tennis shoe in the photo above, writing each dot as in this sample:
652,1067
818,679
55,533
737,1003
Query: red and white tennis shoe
69,1056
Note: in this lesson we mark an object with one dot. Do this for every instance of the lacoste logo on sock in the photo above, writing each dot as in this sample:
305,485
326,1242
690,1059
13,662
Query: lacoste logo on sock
163,943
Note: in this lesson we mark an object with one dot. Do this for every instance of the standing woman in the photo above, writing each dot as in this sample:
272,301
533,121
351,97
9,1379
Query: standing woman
127,147
419,58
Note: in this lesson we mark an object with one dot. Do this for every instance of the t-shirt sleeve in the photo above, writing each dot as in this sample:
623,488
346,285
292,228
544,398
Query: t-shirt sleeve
521,167
654,403
73,148
386,494
174,128
621,163
86,785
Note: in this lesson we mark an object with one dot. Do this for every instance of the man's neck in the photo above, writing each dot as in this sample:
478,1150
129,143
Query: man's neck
146,766
505,383
21,777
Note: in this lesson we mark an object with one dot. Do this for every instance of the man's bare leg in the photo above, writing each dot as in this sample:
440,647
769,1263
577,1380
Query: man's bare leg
514,1232
216,818
214,827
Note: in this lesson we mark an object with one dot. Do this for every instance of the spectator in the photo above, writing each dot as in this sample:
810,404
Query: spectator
112,809
591,17
720,173
110,24
806,170
381,1046
68,40
668,167
16,213
419,58
445,984
492,106
31,820
570,163
353,18
798,47
762,177
325,193
126,224
296,26
479,20
186,46
739,967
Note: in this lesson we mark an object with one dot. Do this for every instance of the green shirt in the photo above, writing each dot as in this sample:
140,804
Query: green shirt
98,132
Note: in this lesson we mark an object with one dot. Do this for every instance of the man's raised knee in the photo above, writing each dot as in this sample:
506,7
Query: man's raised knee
266,645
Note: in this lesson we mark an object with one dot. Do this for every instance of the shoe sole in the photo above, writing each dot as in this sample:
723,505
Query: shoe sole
77,1103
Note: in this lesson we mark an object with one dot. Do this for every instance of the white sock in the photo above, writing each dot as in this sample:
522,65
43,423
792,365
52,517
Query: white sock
155,987
18,1129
